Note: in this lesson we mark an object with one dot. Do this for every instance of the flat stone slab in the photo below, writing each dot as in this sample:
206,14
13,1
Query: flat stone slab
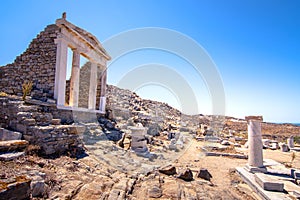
11,156
249,178
9,135
268,183
12,145
297,149
231,155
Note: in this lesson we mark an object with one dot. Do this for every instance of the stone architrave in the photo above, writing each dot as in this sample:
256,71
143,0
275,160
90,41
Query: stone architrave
255,157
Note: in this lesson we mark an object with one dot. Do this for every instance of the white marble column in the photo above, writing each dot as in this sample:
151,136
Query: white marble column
255,144
103,92
93,86
255,157
290,142
60,71
74,82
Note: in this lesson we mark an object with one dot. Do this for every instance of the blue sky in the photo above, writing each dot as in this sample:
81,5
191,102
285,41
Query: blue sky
254,44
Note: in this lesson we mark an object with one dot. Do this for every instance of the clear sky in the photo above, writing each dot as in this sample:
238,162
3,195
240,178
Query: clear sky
254,44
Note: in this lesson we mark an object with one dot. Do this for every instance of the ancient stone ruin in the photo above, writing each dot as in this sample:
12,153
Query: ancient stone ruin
268,178
45,62
66,66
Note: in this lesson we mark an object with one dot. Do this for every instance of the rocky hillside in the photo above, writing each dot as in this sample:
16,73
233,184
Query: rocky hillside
125,105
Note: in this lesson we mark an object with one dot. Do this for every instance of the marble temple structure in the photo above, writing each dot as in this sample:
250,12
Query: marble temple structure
66,65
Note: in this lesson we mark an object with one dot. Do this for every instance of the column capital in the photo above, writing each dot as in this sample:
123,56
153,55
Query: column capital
254,118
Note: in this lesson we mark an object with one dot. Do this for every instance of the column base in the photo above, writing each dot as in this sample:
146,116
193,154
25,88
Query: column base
252,169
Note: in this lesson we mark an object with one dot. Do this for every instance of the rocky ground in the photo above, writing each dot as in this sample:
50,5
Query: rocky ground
110,170
90,178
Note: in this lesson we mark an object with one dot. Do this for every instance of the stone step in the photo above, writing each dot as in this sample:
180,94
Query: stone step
266,182
9,135
11,156
13,145
26,108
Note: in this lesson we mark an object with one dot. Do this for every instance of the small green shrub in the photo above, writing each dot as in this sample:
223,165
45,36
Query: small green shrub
26,88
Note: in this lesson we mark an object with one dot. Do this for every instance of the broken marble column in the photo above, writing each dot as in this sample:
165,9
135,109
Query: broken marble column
290,142
138,140
255,157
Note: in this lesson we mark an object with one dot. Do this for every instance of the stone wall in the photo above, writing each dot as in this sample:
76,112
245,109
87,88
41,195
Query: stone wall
40,125
36,64
84,85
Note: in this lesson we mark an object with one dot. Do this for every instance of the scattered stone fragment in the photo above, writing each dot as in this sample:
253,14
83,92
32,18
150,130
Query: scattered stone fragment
18,188
168,170
204,174
154,192
38,188
186,175
284,147
225,142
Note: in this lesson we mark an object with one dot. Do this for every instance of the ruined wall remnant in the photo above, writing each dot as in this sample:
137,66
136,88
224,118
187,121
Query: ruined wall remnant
36,64
40,125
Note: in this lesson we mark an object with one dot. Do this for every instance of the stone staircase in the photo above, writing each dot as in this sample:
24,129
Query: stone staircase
36,124
11,145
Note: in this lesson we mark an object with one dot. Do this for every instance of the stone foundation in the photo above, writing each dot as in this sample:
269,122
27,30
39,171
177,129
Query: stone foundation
40,125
